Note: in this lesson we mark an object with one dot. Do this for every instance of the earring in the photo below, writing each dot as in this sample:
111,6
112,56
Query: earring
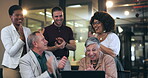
104,31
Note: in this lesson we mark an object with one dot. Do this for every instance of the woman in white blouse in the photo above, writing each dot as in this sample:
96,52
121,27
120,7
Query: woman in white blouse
104,25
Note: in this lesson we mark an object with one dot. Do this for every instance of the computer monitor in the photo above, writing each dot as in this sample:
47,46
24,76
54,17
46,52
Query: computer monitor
82,74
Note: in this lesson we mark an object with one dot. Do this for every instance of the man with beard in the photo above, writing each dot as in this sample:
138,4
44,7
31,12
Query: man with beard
14,39
59,36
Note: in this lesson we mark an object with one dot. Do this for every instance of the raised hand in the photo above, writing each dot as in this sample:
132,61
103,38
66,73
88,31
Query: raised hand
49,64
41,30
62,62
60,43
21,32
90,67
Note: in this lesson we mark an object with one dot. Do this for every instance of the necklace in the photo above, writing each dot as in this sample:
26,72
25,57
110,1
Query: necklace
101,38
94,63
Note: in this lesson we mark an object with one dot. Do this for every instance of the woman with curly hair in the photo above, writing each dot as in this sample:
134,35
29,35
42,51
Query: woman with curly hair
104,25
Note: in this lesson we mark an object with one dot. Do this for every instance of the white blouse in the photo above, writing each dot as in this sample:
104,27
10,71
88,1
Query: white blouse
112,41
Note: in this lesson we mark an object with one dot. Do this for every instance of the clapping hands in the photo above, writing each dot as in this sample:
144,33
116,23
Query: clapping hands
60,43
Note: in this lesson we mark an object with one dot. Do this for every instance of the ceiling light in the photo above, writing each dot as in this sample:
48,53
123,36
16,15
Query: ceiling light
24,12
126,13
109,4
48,14
74,6
132,39
126,5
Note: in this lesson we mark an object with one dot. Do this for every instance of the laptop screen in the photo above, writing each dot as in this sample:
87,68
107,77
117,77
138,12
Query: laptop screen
82,74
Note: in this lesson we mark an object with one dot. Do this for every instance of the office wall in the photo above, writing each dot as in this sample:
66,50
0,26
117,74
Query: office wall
4,19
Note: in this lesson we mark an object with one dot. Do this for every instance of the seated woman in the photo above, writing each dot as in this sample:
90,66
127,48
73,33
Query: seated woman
97,60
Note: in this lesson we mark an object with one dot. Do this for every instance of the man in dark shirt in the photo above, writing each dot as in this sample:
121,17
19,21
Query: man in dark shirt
60,37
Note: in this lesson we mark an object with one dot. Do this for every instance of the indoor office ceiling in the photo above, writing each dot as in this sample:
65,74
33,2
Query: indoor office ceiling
33,4
135,7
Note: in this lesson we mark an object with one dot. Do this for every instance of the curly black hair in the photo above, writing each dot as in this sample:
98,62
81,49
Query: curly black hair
106,19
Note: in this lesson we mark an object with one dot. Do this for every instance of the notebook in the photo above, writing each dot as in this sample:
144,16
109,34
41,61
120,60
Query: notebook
82,74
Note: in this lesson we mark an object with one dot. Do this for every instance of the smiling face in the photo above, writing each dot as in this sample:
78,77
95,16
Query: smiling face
17,17
40,43
98,26
58,18
92,51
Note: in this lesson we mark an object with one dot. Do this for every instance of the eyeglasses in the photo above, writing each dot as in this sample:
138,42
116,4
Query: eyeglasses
94,23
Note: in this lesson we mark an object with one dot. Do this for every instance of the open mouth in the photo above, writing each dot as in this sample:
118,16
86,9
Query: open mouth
20,21
92,57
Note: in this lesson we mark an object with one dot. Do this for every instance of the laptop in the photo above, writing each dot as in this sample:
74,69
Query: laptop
82,74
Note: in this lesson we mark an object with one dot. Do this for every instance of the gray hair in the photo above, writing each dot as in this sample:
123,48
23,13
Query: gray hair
31,38
92,40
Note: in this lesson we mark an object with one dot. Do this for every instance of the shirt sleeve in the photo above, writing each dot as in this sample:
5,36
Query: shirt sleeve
71,34
11,47
110,67
112,42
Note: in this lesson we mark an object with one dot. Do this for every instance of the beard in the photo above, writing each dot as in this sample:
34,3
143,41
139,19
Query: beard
58,22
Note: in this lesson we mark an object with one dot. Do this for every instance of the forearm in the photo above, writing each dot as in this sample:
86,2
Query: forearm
53,48
70,46
13,49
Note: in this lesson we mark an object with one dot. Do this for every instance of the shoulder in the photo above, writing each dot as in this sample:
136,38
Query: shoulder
49,53
49,29
50,26
26,57
112,35
7,28
108,57
67,27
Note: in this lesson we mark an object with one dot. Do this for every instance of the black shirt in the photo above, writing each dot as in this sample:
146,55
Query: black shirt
52,32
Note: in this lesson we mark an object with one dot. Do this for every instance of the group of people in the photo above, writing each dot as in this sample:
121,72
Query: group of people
43,54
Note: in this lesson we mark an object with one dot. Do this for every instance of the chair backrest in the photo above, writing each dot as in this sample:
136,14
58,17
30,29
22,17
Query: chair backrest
1,73
124,74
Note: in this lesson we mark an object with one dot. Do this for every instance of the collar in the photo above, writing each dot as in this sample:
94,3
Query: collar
38,56
13,27
55,27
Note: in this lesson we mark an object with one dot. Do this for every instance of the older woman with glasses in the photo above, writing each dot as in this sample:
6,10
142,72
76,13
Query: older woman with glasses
95,59
104,25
